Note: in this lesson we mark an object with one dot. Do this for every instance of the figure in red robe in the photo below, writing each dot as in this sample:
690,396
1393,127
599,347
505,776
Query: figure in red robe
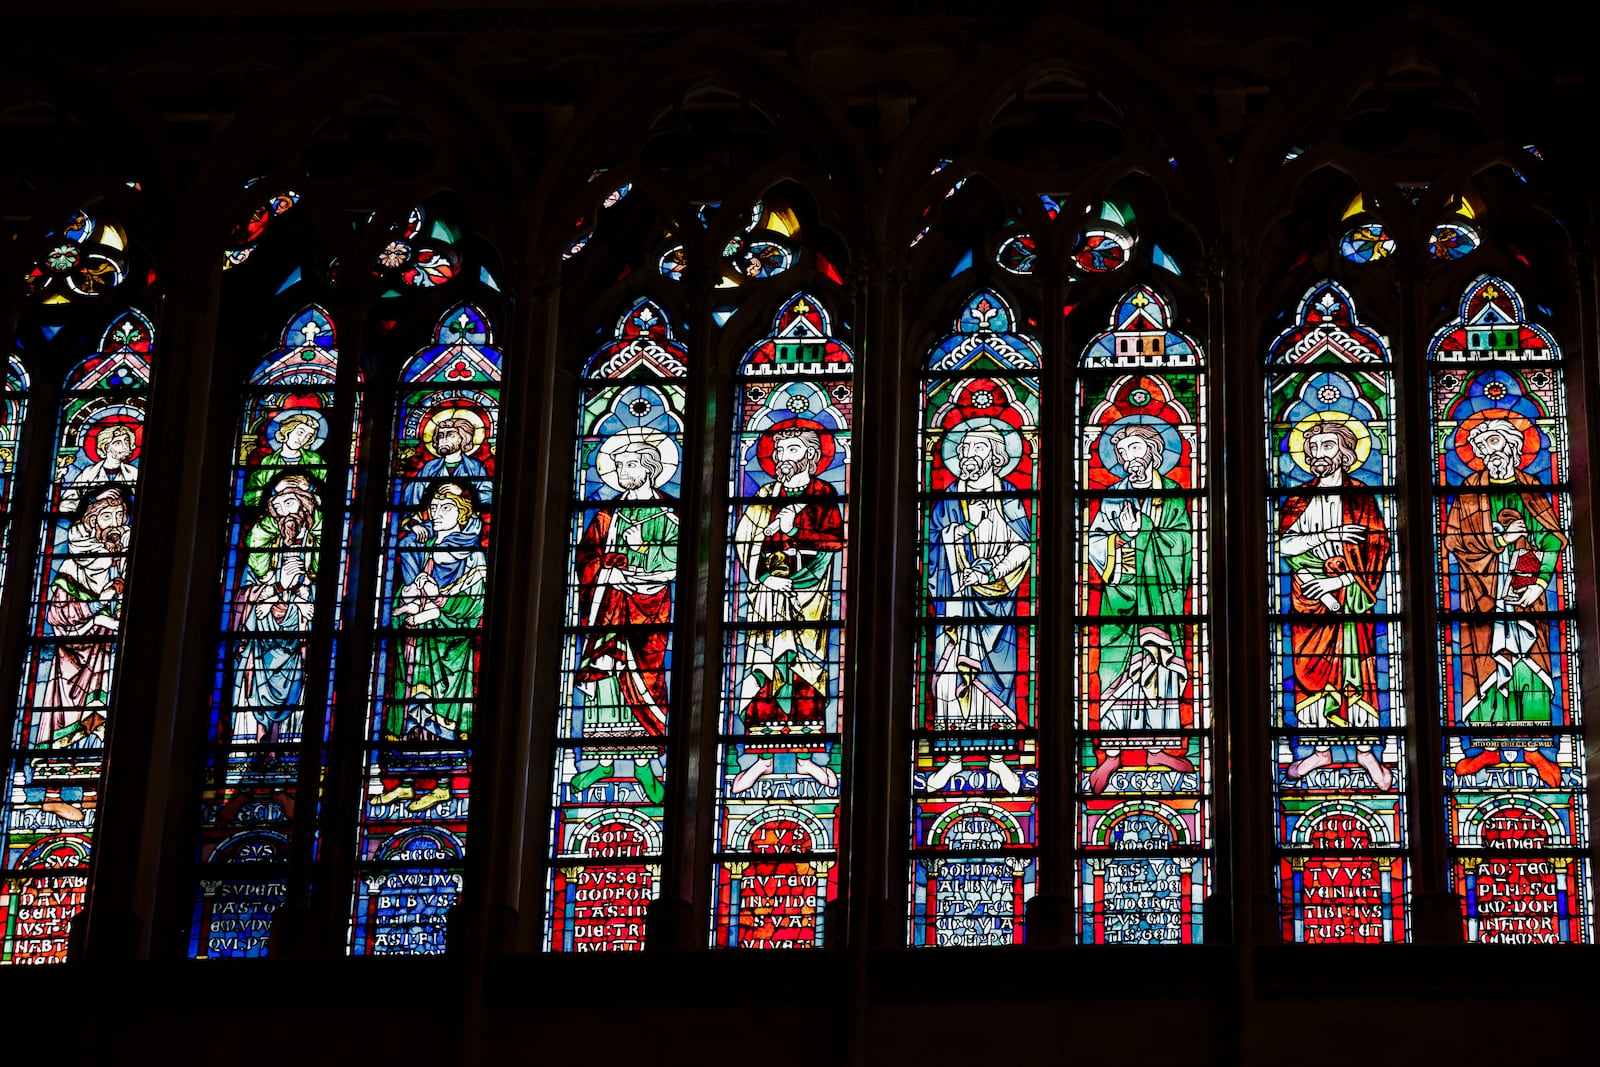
626,562
1335,547
1506,542
788,542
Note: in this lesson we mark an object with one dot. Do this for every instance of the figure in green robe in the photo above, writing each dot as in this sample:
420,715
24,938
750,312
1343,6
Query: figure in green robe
296,433
1506,541
626,562
1139,548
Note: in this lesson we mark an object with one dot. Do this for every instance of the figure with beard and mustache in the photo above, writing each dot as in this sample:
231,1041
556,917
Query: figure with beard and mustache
450,444
1335,546
787,544
116,444
277,595
979,553
627,560
1506,541
1139,547
85,611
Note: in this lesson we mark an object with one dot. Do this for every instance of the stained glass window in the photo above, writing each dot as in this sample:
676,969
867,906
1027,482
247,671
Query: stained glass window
13,415
1142,643
975,783
765,248
73,650
433,578
780,756
421,252
86,257
1366,241
249,233
1516,823
1336,727
287,529
617,655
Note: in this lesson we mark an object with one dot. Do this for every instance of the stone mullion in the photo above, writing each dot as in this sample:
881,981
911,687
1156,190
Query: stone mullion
1242,903
879,499
128,839
1229,559
1050,914
337,768
679,917
1243,627
192,744
535,406
1435,915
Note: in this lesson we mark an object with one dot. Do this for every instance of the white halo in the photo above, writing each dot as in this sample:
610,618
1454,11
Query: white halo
605,464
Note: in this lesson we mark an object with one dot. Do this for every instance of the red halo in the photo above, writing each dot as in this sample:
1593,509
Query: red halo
91,435
1000,407
1530,436
764,445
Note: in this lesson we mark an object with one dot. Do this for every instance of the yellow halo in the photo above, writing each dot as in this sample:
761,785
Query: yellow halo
1297,436
479,429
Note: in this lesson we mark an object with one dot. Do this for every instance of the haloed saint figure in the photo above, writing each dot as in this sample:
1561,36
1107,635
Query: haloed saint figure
452,440
978,558
626,561
1335,545
1506,539
274,608
438,608
116,445
1140,548
84,614
294,445
788,542
85,611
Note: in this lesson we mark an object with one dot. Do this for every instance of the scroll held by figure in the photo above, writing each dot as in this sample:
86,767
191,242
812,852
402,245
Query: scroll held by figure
1505,540
980,553
1335,545
626,562
1140,549
438,609
788,542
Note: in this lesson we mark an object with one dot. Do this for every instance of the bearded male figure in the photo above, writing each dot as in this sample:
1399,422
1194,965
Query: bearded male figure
85,611
1140,548
274,607
626,561
1335,546
979,552
116,444
787,549
452,440
1506,540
